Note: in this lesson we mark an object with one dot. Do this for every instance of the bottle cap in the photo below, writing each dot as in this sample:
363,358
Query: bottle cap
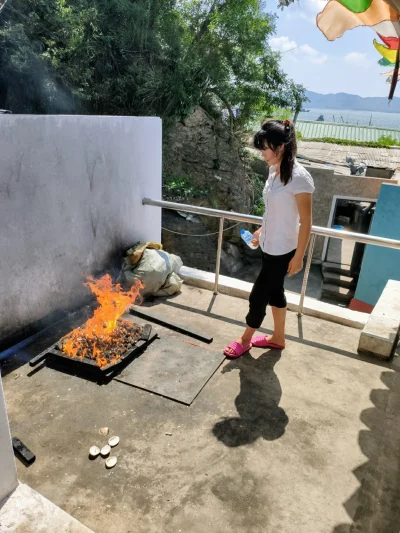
242,231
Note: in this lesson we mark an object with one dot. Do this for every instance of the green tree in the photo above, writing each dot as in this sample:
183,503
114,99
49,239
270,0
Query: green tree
298,99
101,56
149,57
231,38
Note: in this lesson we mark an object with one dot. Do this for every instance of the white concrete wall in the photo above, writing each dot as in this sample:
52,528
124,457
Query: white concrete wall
8,471
70,201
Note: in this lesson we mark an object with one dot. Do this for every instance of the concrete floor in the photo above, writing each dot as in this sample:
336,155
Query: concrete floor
27,511
306,441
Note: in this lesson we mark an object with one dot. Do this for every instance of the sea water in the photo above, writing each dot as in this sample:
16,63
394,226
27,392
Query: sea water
361,118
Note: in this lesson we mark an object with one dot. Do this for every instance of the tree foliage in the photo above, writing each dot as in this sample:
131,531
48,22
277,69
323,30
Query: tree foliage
140,57
285,3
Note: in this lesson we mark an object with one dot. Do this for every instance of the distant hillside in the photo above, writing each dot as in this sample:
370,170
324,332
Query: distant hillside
352,102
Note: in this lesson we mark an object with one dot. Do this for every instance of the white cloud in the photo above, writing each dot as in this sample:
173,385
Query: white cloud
357,59
336,76
313,55
308,50
282,44
304,52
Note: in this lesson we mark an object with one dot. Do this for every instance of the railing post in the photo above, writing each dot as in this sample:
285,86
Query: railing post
306,274
219,249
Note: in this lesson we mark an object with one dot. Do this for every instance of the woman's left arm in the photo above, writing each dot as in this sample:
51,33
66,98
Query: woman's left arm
304,205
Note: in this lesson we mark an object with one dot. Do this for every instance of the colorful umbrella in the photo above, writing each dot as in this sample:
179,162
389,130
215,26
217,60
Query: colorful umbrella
387,52
383,16
394,3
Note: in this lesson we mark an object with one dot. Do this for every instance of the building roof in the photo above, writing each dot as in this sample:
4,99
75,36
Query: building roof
335,154
351,132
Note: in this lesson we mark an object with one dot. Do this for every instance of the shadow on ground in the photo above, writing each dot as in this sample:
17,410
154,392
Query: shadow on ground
299,338
257,403
374,507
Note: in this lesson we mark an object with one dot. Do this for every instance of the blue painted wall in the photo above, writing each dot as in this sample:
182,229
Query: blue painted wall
381,264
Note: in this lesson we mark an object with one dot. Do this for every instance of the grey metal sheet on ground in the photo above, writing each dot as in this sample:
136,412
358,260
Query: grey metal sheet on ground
173,367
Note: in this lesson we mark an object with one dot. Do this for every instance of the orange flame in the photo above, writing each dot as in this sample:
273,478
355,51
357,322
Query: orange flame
113,303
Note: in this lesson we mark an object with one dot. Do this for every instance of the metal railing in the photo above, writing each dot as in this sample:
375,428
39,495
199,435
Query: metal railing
251,219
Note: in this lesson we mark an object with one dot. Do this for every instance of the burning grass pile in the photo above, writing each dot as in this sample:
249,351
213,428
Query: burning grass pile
104,350
105,337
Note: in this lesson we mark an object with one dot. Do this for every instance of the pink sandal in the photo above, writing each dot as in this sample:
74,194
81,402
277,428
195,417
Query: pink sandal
238,349
261,342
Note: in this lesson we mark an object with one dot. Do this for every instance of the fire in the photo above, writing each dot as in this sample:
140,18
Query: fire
101,330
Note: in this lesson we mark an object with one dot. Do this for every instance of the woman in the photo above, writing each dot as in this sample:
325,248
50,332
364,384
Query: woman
288,202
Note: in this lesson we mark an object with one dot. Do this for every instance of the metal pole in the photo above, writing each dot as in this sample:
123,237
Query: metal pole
219,249
217,213
306,274
239,217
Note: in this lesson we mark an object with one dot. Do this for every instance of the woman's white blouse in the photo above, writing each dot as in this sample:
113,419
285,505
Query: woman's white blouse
281,219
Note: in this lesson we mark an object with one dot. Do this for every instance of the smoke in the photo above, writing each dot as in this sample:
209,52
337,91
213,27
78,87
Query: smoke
28,83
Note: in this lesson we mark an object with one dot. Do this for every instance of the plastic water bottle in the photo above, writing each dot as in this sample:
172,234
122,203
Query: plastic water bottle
247,237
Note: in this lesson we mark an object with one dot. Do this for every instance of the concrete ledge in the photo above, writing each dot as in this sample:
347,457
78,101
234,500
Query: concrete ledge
381,333
242,289
28,511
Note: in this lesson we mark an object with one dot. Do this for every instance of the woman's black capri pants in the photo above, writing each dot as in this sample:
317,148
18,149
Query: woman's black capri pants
268,288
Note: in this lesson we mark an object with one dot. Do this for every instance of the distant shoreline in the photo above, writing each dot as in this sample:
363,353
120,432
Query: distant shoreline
347,110
375,119
352,103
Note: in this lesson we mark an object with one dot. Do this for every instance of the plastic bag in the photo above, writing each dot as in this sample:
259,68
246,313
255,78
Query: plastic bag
155,270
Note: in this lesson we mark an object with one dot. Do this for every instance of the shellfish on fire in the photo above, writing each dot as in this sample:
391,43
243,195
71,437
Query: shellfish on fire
113,441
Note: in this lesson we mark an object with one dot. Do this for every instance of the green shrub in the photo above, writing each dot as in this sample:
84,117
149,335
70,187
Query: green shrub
382,142
387,140
180,188
258,204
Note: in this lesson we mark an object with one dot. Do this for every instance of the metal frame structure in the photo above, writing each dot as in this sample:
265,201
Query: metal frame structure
250,219
335,199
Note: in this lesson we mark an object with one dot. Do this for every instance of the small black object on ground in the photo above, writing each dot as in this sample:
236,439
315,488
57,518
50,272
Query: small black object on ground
22,452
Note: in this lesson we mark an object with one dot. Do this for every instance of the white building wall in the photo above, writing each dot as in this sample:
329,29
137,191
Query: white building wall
70,201
8,471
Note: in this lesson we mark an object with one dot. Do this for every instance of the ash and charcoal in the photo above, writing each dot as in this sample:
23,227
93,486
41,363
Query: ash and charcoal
108,349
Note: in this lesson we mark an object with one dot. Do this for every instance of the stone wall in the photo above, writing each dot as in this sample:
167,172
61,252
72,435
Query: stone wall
203,150
70,203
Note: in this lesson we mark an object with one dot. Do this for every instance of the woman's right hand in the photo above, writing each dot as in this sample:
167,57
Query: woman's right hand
255,241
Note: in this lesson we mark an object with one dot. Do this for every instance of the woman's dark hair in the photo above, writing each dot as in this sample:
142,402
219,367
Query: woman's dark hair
273,134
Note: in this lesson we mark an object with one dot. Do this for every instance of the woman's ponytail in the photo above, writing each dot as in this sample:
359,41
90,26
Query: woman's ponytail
275,133
289,152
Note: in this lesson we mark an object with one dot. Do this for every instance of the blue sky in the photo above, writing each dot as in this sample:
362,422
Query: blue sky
348,64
